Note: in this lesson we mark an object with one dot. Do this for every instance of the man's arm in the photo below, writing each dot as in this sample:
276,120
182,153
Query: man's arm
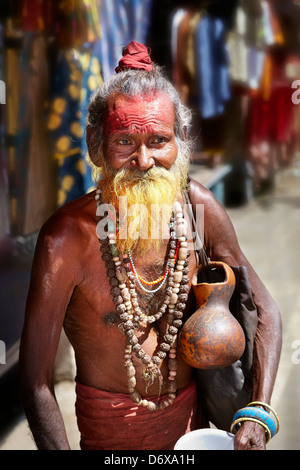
221,244
52,282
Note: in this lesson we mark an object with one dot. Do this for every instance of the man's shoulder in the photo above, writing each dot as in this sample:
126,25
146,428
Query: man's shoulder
71,221
199,194
81,208
213,210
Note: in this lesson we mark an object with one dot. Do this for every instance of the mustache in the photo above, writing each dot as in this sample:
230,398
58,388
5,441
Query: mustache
136,173
150,175
134,177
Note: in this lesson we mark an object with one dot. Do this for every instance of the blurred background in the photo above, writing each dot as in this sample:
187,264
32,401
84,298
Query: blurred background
236,63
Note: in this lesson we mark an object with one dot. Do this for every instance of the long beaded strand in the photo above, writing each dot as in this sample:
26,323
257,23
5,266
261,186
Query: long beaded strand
127,306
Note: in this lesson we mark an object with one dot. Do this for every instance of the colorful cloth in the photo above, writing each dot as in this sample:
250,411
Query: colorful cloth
34,15
121,22
271,120
246,48
77,76
76,22
110,421
211,62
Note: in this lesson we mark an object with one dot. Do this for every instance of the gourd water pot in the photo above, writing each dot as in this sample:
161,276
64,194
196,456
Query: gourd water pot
212,338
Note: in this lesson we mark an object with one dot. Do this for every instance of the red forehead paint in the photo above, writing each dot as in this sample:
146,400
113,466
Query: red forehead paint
140,114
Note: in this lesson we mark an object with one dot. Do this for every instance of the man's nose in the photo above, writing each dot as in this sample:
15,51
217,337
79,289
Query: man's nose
143,158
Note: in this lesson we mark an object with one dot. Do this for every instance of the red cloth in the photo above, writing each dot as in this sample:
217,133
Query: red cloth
135,56
271,120
111,421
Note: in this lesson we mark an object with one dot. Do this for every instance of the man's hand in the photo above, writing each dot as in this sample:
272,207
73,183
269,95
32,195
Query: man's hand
251,436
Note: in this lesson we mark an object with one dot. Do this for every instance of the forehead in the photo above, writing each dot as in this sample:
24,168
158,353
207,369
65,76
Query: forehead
140,113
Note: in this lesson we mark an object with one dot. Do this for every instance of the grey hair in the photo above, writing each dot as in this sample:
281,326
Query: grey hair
133,83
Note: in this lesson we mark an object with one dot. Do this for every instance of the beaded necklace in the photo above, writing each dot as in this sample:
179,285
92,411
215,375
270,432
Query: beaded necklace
161,279
122,275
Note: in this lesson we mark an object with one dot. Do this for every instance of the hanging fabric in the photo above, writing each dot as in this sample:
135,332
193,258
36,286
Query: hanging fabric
77,75
121,21
35,15
175,22
211,66
76,22
246,50
184,23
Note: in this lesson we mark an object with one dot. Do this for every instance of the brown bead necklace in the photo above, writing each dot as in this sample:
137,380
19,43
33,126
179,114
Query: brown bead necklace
122,276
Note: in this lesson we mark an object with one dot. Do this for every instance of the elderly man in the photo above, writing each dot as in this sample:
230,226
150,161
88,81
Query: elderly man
122,307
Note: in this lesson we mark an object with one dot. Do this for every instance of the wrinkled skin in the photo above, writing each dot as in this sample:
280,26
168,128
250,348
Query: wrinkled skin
250,436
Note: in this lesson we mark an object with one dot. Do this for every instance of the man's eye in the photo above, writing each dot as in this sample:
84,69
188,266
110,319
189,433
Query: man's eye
159,140
123,141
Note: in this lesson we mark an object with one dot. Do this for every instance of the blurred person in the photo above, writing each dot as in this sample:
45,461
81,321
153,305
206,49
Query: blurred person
119,306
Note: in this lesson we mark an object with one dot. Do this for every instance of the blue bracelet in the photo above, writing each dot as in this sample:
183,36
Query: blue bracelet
258,414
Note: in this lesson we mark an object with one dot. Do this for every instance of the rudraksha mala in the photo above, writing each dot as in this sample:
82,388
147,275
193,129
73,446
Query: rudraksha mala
122,276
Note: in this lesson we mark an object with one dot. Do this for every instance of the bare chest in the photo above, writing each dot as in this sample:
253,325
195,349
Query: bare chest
96,322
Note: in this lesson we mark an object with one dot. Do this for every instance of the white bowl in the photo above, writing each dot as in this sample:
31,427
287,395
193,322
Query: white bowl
206,439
